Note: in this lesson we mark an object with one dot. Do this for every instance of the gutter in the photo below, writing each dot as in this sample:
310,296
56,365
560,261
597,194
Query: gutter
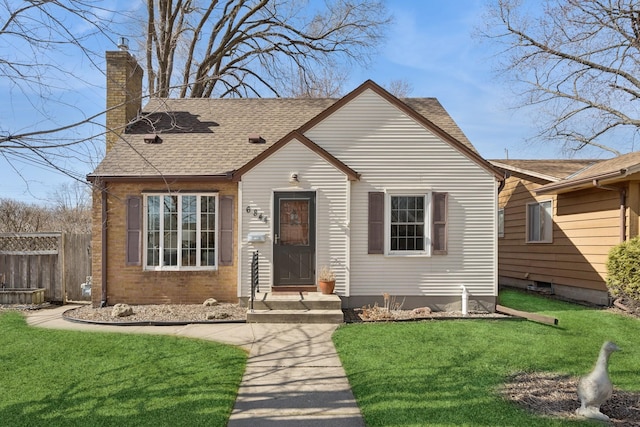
503,181
623,207
562,185
165,178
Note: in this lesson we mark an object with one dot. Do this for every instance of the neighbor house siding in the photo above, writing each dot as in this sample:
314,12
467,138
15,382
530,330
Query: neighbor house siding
130,284
392,152
586,224
332,192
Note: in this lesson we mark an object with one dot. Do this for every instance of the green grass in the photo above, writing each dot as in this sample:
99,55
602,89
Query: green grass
448,373
69,378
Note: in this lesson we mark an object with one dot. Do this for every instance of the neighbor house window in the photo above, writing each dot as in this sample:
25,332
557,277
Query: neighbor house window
500,222
539,223
181,231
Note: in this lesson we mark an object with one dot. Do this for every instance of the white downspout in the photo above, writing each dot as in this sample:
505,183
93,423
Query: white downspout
465,300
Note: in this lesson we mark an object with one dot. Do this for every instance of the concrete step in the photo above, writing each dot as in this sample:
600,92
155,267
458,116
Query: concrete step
295,316
296,301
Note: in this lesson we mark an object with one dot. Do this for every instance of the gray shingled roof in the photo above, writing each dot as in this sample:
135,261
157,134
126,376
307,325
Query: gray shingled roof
210,136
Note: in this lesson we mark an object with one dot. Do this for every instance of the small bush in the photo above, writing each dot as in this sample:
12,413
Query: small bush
623,267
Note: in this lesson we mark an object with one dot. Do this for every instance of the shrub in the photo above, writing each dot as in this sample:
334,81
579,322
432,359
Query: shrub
623,268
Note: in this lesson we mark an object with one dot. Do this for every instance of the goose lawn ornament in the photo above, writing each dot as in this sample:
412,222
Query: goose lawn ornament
596,388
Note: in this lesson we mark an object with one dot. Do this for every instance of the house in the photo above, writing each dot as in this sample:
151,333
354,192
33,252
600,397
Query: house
560,218
389,193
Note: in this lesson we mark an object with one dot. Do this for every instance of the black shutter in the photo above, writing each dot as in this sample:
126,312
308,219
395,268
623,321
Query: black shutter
376,223
225,216
134,229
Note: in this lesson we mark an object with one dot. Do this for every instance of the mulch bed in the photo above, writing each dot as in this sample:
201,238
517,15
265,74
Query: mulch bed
555,395
379,314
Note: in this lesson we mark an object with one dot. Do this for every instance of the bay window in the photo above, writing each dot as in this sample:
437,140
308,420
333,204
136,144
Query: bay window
180,231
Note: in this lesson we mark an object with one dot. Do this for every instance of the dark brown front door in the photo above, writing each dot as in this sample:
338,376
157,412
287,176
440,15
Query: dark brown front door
294,240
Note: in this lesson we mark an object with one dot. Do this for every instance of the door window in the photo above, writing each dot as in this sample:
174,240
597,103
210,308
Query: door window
294,222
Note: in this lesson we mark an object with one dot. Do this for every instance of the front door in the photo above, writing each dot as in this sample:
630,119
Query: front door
294,242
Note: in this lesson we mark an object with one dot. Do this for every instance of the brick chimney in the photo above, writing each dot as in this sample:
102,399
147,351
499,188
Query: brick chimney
124,92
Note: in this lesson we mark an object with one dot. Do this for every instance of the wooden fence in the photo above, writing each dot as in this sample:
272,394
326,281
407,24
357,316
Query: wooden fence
57,262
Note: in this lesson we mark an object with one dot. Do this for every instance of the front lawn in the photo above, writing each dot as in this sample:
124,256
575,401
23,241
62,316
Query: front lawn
448,373
70,378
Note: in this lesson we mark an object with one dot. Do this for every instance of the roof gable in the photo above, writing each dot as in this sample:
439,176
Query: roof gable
296,135
429,107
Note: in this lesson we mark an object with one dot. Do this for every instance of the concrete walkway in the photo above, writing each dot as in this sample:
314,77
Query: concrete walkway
293,375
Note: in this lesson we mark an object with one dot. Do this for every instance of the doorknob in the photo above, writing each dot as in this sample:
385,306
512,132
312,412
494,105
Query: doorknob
276,238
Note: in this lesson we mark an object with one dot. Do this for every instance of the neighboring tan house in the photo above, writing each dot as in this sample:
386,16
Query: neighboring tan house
558,219
389,193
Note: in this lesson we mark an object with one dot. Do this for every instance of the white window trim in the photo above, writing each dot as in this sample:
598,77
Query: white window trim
427,222
180,267
501,223
542,240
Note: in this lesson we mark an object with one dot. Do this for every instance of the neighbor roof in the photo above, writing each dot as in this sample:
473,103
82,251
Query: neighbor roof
210,137
551,170
625,161
570,175
612,169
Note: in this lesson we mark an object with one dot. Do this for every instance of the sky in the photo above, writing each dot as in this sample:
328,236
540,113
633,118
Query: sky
431,45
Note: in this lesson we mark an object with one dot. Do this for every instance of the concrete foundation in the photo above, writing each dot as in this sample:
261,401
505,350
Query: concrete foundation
590,296
484,304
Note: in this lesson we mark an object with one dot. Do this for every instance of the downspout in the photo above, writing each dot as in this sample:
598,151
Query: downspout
623,207
103,302
503,181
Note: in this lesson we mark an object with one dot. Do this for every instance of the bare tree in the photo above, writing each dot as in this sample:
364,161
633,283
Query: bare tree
36,32
38,38
326,83
255,47
195,48
19,217
70,204
68,210
578,61
399,88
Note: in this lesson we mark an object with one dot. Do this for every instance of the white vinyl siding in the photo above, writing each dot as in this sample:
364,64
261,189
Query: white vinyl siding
332,211
392,152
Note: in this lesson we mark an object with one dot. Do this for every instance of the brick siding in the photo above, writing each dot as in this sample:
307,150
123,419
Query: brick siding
133,285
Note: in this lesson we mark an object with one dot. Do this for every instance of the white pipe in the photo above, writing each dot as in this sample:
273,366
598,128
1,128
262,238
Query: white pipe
465,300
